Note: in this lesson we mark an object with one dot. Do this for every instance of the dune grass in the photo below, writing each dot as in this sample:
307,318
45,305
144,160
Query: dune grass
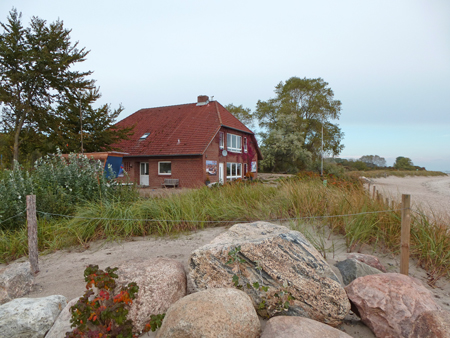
344,207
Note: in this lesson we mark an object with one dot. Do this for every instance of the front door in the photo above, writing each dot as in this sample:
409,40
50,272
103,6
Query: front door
144,174
221,173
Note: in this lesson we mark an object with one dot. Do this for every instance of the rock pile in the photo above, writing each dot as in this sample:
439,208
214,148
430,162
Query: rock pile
391,305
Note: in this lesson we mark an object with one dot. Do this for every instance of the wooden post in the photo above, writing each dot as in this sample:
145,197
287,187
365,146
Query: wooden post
387,202
406,232
32,233
374,192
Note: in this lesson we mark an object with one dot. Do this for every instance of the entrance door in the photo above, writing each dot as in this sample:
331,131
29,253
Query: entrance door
221,173
144,173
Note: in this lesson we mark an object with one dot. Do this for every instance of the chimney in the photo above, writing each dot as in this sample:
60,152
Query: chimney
202,100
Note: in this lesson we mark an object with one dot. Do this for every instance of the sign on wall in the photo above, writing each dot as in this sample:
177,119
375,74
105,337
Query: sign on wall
211,167
254,166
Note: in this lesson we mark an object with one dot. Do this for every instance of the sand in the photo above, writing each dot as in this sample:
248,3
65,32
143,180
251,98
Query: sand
430,195
61,273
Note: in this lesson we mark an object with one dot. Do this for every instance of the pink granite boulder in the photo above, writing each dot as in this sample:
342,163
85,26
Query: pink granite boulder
432,324
288,327
390,303
161,283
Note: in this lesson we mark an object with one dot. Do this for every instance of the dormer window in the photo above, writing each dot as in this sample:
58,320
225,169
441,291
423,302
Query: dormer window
143,137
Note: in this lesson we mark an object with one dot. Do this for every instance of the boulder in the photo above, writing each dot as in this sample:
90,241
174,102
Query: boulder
30,317
279,258
390,303
351,269
16,281
161,283
370,260
432,324
62,323
214,313
288,327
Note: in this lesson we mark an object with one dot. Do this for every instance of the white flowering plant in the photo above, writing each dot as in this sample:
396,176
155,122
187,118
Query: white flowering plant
60,184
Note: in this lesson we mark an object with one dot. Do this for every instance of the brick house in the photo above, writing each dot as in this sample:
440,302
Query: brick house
189,142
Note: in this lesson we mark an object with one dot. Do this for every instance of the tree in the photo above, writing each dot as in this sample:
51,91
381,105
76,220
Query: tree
242,114
37,80
403,163
99,133
301,108
373,160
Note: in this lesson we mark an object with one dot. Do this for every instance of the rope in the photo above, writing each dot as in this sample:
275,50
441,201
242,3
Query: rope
197,221
13,217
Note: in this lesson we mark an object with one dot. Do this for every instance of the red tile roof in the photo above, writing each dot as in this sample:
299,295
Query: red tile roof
176,130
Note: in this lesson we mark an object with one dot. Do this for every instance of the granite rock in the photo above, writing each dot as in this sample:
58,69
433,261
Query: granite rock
16,280
351,269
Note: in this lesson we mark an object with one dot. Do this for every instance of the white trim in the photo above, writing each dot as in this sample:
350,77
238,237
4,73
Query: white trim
235,166
159,168
238,143
245,145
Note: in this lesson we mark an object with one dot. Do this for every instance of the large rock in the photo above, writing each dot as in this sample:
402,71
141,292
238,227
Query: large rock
289,263
161,283
30,317
351,269
288,327
62,323
370,260
390,303
214,313
432,324
16,281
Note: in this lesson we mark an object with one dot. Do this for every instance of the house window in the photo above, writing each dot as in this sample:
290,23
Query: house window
221,140
234,171
234,143
127,166
143,137
245,144
165,168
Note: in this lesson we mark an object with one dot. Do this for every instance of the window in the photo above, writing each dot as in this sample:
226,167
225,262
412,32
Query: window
234,143
143,137
234,171
245,144
164,168
221,140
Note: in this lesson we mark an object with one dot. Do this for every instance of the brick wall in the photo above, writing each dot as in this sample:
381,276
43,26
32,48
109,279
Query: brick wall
191,170
188,169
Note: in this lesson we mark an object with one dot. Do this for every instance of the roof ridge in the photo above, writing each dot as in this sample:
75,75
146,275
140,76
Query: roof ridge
218,113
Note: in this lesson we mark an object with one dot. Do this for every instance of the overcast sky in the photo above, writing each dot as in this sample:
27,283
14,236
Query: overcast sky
388,62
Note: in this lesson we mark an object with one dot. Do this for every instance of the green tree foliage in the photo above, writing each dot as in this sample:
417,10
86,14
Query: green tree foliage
242,114
403,163
37,80
373,160
293,121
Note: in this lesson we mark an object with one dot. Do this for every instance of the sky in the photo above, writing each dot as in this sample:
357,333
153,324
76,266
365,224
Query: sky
388,62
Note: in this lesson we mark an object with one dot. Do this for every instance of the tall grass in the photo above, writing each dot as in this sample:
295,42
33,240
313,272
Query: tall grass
343,206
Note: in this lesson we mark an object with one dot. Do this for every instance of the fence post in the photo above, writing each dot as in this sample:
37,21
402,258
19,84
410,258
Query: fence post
373,192
32,233
406,232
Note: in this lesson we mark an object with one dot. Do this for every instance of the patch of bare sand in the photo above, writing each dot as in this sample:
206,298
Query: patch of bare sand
61,272
428,194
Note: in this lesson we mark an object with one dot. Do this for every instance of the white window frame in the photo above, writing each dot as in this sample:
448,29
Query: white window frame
234,166
245,145
236,140
221,139
159,168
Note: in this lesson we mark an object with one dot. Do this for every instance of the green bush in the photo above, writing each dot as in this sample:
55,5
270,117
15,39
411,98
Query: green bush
60,184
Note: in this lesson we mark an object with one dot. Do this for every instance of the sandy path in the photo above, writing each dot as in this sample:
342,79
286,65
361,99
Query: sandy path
430,194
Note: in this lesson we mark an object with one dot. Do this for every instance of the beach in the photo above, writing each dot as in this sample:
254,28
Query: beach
430,195
61,272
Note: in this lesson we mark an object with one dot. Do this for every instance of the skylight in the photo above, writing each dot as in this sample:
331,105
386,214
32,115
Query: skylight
143,137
